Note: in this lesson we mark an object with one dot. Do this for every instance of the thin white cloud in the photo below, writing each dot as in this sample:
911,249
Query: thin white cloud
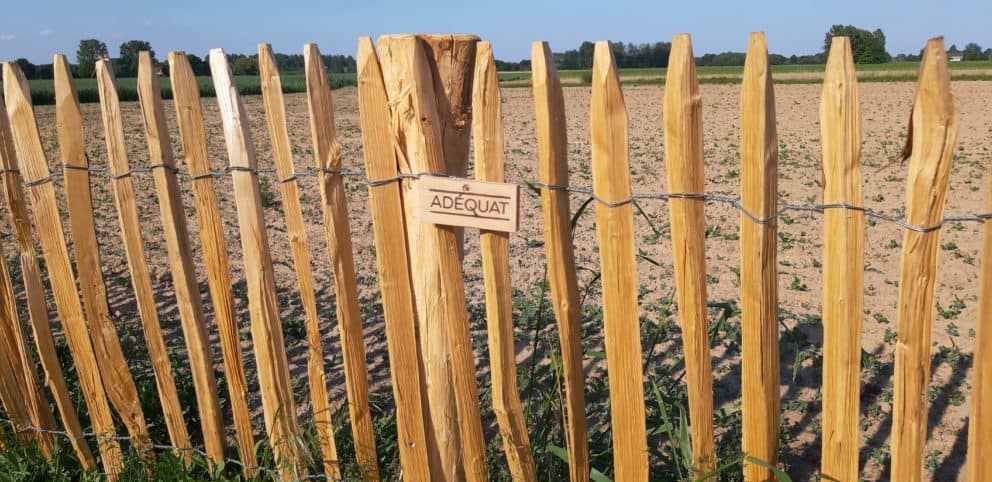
45,32
7,36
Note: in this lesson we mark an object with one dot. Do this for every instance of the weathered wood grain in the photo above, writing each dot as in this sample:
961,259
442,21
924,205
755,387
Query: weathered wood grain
121,389
45,214
451,58
758,264
487,131
441,415
282,151
37,306
979,458
13,387
552,159
436,269
189,117
25,402
615,236
935,129
180,253
386,207
278,402
843,264
683,124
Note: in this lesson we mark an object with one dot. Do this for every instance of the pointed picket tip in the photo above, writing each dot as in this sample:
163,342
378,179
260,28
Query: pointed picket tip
933,128
757,91
544,72
265,56
484,51
604,66
219,68
174,57
756,61
68,115
540,51
313,65
935,78
681,85
185,90
105,71
65,88
681,61
366,53
145,74
148,95
840,63
756,82
268,75
607,98
16,90
487,127
370,81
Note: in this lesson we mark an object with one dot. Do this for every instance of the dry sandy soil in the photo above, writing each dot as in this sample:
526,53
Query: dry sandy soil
885,108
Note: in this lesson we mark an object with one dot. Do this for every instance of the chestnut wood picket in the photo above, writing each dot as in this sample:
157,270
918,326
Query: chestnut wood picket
424,102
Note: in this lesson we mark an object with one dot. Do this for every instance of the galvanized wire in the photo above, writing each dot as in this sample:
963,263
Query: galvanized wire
732,201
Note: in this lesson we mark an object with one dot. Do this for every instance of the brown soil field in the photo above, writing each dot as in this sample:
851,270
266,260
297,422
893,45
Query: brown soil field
885,109
784,77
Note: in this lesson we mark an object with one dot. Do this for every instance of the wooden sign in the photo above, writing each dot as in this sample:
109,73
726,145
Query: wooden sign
471,204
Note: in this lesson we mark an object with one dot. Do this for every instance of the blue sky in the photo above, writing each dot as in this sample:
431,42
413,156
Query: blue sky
39,28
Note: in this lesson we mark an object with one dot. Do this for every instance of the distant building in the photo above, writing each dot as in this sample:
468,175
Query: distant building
955,56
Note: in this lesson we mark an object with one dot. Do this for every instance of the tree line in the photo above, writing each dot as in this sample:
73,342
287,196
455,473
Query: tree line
868,47
126,63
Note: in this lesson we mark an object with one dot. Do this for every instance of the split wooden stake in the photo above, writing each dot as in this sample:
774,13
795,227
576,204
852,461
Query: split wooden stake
19,391
25,402
10,391
759,268
327,154
45,212
180,257
189,117
843,264
266,328
487,130
393,264
934,128
37,306
282,151
615,234
683,120
552,158
436,268
121,390
979,462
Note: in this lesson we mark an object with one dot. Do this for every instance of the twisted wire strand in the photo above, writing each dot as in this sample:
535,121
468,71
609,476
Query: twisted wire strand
732,201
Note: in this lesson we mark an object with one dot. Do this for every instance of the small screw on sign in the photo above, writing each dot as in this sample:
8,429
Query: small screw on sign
472,204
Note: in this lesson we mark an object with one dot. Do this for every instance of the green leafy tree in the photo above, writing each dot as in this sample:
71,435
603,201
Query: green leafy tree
198,65
90,50
973,51
30,70
867,47
586,52
129,57
243,65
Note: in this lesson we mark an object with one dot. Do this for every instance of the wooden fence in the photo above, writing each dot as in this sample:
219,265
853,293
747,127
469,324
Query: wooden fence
422,99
